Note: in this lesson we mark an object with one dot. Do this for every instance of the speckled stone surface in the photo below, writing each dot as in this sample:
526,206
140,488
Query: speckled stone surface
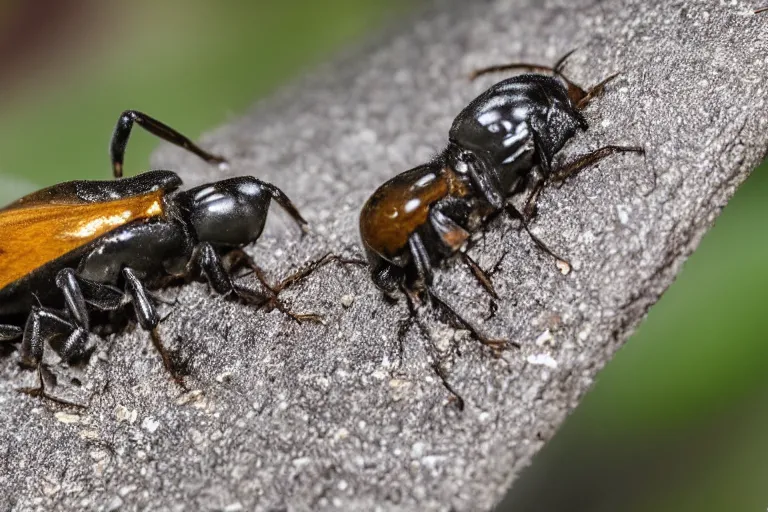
313,417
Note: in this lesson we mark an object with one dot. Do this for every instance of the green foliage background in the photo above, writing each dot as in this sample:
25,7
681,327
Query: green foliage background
676,422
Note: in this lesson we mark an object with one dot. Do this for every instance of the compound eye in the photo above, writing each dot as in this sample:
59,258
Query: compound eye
468,157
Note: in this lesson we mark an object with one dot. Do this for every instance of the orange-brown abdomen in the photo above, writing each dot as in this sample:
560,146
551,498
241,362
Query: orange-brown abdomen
401,205
33,233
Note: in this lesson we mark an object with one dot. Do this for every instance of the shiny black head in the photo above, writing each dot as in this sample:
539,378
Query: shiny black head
229,212
519,122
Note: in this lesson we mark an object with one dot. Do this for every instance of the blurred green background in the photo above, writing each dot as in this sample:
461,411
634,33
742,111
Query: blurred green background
678,421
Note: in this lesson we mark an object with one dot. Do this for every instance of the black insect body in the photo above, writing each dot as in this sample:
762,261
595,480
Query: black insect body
503,141
85,246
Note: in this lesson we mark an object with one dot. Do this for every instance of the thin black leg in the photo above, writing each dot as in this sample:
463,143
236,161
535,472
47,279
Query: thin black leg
480,275
515,214
454,317
74,299
309,268
210,265
146,313
402,331
168,362
592,158
42,392
420,258
43,325
10,332
287,205
123,131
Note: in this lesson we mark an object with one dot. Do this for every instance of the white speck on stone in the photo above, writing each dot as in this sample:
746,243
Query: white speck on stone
89,434
347,300
150,424
542,360
340,434
114,504
545,339
67,418
418,449
301,462
564,267
234,507
343,485
126,490
605,123
122,413
380,374
49,489
623,212
98,454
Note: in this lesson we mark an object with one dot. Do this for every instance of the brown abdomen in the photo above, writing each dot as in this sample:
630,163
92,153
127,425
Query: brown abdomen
401,205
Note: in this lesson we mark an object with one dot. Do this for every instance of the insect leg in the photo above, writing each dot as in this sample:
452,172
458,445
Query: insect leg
420,258
515,214
146,312
283,200
592,158
314,265
42,325
454,317
66,281
480,275
529,206
9,332
123,132
210,264
452,237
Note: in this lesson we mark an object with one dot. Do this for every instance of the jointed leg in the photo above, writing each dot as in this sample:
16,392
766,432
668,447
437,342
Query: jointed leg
402,331
211,266
420,258
480,275
494,344
312,266
148,318
10,332
146,312
123,132
584,161
515,214
45,324
41,391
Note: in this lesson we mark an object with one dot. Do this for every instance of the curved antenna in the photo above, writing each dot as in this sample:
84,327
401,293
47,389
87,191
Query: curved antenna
762,9
575,91
578,95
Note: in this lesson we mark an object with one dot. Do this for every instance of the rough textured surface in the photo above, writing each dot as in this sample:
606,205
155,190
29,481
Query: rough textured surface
328,416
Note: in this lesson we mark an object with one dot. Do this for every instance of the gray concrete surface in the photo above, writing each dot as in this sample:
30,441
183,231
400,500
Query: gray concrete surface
321,417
